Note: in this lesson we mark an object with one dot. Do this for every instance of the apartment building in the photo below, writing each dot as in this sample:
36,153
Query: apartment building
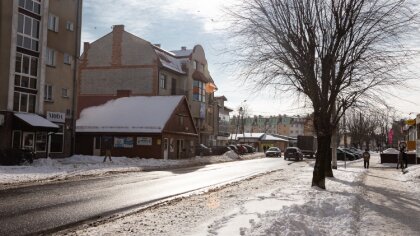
290,126
40,42
221,122
121,64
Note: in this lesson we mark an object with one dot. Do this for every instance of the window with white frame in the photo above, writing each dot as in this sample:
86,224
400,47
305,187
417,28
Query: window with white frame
48,90
162,81
28,32
67,59
40,141
31,5
26,71
50,57
64,93
53,22
69,26
195,65
24,102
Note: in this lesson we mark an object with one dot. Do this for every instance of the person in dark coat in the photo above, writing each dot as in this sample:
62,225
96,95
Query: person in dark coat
107,144
366,158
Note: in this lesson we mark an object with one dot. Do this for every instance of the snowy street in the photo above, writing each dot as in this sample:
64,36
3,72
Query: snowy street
283,203
274,199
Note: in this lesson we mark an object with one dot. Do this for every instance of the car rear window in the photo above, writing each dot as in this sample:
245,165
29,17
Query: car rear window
291,150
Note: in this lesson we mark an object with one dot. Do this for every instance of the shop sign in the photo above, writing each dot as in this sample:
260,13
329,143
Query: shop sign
56,117
410,122
123,142
144,141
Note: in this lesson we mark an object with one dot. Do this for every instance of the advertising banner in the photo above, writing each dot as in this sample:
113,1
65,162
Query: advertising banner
123,142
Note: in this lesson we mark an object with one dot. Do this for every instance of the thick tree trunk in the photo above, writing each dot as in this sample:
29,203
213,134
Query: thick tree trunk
322,158
328,164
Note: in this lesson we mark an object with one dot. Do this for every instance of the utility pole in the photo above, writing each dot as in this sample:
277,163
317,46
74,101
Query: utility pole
334,141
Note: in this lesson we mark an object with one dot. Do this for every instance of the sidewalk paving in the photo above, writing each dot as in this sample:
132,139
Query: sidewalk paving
390,202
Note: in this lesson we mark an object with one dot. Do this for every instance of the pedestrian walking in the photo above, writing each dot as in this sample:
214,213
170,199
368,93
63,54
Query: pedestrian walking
401,158
366,158
107,144
404,160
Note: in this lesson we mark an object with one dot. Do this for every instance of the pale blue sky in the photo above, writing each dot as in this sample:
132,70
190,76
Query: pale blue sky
176,23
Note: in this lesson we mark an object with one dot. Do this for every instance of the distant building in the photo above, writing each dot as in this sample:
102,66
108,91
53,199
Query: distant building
40,42
146,127
121,64
222,122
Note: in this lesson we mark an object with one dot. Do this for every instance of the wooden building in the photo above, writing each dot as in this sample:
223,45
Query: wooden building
141,126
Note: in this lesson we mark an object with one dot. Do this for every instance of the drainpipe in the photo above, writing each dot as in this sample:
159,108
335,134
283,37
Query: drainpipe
75,69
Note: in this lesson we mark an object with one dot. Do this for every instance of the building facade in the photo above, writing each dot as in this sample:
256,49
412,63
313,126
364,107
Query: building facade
121,64
40,42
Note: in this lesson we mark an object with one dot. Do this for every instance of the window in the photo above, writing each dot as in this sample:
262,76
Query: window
57,140
28,33
195,65
53,22
162,81
67,58
64,93
41,141
69,26
31,5
26,68
48,92
24,102
199,93
50,57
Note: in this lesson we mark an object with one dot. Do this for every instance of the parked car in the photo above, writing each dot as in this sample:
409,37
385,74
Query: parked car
203,150
273,152
233,148
293,153
354,152
250,148
242,149
341,153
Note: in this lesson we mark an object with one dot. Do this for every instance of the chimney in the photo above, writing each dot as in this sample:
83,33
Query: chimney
117,37
183,48
86,46
157,45
118,28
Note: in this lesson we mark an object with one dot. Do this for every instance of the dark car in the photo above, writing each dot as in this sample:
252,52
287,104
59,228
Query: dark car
273,152
293,153
203,150
250,148
341,153
356,154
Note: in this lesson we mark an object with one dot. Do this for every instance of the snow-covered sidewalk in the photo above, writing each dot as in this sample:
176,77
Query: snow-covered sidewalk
82,166
283,203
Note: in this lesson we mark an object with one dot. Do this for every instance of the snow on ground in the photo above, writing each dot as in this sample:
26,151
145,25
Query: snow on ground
281,203
378,201
79,165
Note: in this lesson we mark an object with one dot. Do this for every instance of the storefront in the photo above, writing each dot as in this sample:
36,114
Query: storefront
28,131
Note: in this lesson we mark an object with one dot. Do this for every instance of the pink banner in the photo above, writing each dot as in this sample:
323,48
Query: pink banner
390,136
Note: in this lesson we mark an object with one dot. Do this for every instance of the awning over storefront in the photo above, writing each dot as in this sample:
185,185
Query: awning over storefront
35,120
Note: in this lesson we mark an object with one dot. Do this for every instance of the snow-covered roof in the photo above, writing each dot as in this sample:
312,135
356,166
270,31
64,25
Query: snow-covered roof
246,135
140,114
269,137
35,120
169,61
182,53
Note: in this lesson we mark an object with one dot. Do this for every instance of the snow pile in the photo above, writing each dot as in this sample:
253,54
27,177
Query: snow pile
412,173
320,217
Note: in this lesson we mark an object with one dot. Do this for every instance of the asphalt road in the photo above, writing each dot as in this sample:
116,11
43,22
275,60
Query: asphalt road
42,208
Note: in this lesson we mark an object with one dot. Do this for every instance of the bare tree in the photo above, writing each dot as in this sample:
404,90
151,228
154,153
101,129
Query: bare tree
362,128
334,52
